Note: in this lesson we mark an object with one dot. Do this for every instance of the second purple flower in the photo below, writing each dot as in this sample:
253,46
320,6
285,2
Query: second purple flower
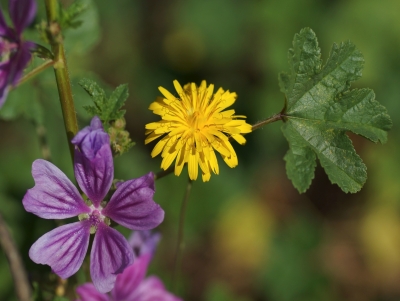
15,53
55,197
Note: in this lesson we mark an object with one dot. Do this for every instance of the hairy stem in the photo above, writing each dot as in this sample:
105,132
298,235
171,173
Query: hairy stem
271,119
22,287
61,73
180,244
34,72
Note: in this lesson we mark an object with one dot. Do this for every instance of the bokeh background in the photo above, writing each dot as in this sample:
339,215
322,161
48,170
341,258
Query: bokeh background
249,235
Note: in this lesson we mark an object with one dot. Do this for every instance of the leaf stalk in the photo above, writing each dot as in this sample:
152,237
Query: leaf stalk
34,72
269,120
180,243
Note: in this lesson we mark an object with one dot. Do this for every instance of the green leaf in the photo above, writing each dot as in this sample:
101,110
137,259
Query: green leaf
320,108
83,18
95,91
117,99
68,16
107,108
109,111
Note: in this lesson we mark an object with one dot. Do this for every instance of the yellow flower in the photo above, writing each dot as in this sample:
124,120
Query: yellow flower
193,125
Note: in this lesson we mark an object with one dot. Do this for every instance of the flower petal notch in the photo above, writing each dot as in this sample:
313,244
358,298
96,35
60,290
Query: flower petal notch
194,126
63,248
53,196
110,255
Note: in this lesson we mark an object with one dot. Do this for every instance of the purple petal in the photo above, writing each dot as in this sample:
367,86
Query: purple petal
63,248
53,196
22,13
144,242
19,61
4,87
110,255
129,280
4,29
11,70
95,176
132,204
87,292
91,139
152,289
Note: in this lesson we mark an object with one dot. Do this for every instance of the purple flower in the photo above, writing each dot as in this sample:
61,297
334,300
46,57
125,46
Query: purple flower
144,242
14,52
55,197
131,284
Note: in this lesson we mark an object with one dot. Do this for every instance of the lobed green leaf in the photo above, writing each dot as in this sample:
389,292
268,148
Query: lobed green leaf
320,108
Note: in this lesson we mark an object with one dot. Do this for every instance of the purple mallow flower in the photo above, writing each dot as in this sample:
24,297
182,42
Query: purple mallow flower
55,197
14,52
131,284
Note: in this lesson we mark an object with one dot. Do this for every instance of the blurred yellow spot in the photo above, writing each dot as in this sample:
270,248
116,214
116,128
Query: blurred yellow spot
242,234
380,234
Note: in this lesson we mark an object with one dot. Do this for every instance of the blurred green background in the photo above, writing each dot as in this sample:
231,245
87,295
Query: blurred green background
249,235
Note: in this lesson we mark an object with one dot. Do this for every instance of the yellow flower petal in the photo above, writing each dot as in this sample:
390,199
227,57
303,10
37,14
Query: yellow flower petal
193,125
166,93
193,164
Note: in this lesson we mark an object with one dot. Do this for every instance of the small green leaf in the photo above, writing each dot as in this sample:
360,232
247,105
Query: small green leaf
109,111
68,16
107,108
97,94
83,18
118,98
320,109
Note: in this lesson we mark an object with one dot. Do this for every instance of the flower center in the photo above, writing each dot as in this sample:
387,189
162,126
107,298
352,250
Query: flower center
6,49
95,217
195,120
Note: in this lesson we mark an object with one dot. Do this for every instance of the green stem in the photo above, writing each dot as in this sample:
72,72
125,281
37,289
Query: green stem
34,72
21,283
271,119
180,244
164,173
61,73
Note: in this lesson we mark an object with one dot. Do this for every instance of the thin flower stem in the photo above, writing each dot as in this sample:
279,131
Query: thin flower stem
34,72
271,119
22,287
164,173
180,244
61,73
